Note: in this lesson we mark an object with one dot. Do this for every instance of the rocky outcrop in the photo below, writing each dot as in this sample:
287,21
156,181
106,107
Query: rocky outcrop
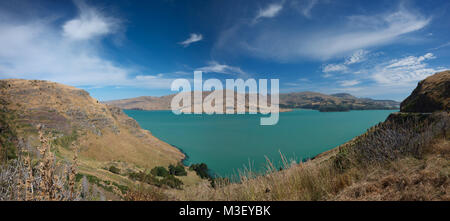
430,95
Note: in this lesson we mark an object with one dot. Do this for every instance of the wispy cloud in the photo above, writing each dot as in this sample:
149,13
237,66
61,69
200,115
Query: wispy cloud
334,68
357,57
215,67
404,71
269,12
442,46
41,49
290,42
90,23
192,38
395,78
347,83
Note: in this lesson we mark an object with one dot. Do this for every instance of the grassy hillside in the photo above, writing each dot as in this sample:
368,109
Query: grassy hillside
70,117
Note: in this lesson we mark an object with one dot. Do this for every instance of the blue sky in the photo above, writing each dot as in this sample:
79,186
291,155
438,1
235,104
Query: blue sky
121,49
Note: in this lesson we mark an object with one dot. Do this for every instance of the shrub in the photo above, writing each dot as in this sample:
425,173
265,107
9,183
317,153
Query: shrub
172,182
169,180
400,135
46,180
159,171
201,169
177,170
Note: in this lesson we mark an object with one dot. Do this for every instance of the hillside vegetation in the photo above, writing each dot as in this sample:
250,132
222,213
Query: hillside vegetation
69,117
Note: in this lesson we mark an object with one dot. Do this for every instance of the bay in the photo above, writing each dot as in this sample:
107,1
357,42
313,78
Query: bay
230,143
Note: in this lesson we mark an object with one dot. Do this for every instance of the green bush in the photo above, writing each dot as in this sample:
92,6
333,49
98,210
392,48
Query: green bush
201,169
169,180
177,170
172,182
159,171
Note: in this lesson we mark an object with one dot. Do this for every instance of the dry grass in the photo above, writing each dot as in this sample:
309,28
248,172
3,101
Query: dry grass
145,193
408,178
44,179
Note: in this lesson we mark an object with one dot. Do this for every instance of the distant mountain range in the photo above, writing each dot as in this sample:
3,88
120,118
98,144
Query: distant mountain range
307,100
334,102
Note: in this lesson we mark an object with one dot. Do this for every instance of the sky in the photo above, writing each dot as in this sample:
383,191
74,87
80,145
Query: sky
122,49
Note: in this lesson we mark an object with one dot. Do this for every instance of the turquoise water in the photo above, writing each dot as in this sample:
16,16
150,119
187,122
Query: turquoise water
227,143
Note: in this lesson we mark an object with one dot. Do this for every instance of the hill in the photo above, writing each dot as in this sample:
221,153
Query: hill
164,102
334,102
309,100
105,135
431,94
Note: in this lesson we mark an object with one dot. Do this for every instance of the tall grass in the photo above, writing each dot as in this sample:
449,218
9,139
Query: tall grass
42,179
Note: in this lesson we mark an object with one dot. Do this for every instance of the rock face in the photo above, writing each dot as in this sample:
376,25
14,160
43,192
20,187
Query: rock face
430,95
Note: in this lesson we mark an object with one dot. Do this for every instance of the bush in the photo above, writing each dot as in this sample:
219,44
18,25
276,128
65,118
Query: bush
201,169
172,182
177,170
159,171
400,135
169,180
114,169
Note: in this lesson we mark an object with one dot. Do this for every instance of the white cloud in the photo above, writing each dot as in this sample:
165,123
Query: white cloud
357,57
334,68
405,71
271,11
38,49
215,67
442,46
89,24
380,78
327,75
348,83
290,41
411,61
192,38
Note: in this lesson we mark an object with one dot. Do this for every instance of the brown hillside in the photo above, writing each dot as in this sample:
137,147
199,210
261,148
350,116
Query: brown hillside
105,133
431,94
